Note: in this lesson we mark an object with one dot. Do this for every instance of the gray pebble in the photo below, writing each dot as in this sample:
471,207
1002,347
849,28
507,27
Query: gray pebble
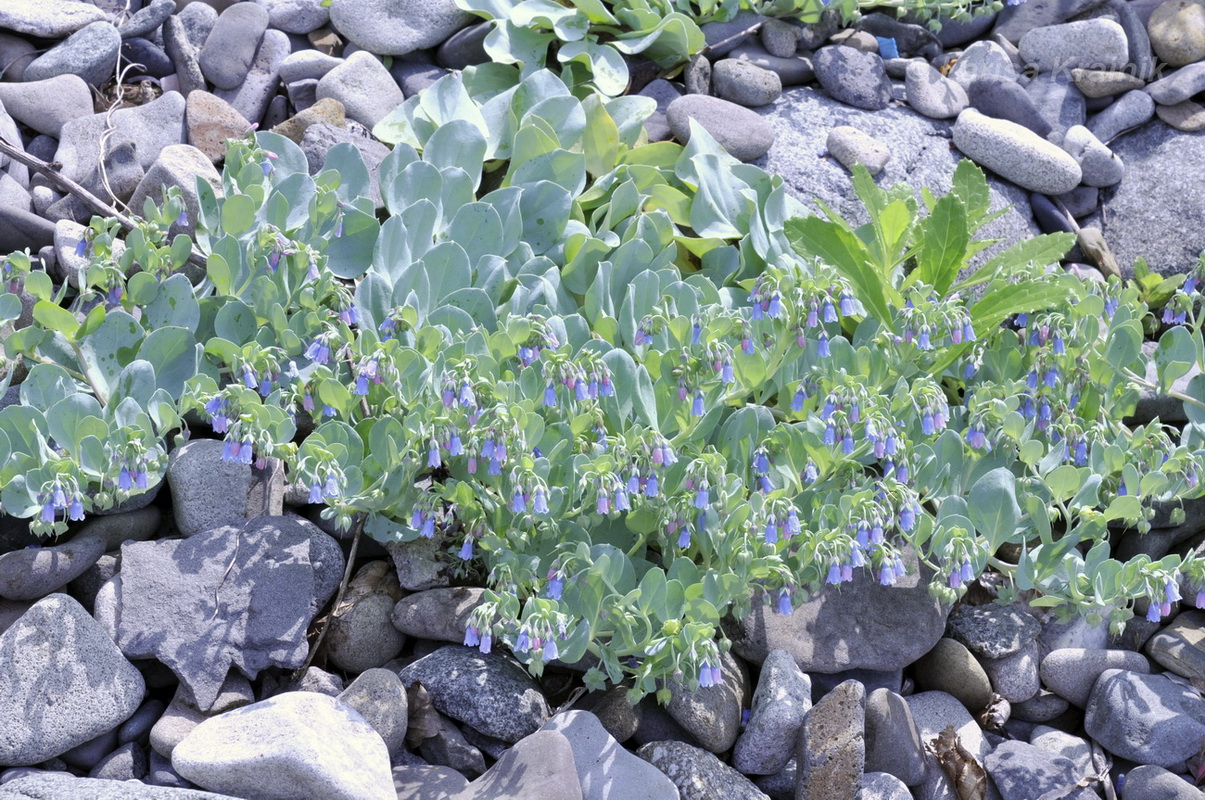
1093,44
780,38
229,49
364,87
1100,166
252,97
793,71
743,133
1006,99
1179,86
90,53
149,58
933,94
782,699
697,76
982,58
296,16
853,77
1015,677
1128,112
851,146
1015,153
744,83
1072,672
1145,718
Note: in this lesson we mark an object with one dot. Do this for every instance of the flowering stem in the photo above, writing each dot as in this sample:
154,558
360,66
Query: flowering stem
1178,395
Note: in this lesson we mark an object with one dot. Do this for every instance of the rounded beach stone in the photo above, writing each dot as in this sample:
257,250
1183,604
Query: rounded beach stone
931,93
48,19
1145,718
742,132
1148,781
1177,31
698,774
1072,671
604,767
364,87
933,711
782,699
1015,153
982,58
950,667
147,20
893,743
779,37
296,16
1104,83
62,682
230,47
1093,43
1003,98
1098,164
297,744
1181,85
793,71
379,696
35,572
360,635
1015,676
46,105
90,53
1023,771
397,27
1187,116
851,146
744,83
1129,111
853,77
712,714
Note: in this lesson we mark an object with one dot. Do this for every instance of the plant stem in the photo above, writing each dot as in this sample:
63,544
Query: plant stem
1141,381
51,171
356,531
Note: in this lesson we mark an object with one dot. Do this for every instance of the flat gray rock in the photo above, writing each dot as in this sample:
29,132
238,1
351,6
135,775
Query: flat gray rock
1015,153
230,597
397,27
793,71
206,491
1004,98
229,49
1015,21
1179,86
62,682
698,774
1015,677
1145,718
296,16
1161,165
605,770
979,60
740,131
933,711
541,765
48,19
61,786
993,631
745,83
1130,111
146,20
1022,772
90,53
364,87
712,715
486,691
1099,165
297,744
780,703
1148,781
380,698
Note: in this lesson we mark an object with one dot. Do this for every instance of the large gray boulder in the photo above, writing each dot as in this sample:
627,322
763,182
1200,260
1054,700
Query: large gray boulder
1151,213
921,157
859,625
